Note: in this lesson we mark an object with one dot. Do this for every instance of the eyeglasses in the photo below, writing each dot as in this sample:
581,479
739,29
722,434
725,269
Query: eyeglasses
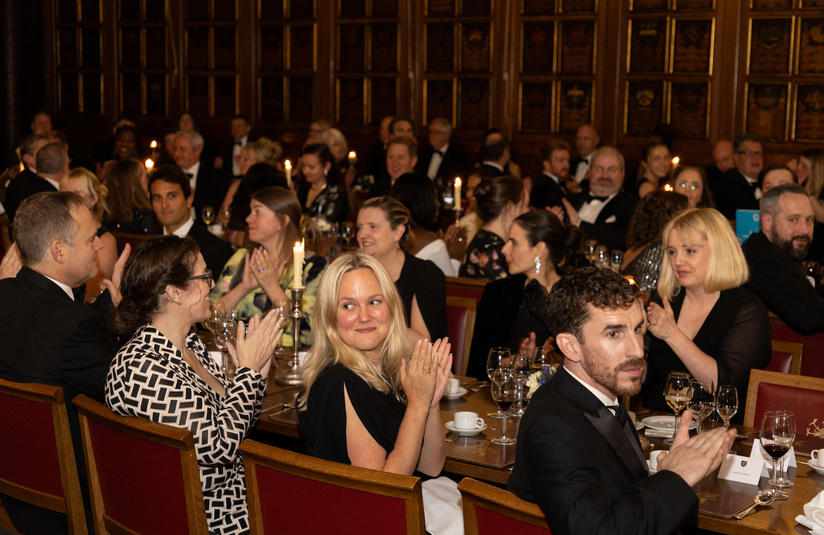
751,153
207,276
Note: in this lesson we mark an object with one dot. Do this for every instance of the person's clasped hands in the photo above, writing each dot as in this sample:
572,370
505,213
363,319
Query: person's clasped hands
425,374
694,458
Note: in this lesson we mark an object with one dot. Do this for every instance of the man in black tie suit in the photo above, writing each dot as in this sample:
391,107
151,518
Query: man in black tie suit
26,182
578,455
46,336
495,155
228,161
548,189
208,184
586,141
738,187
441,161
603,212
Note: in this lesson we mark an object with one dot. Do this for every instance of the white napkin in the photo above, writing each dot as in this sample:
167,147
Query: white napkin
442,506
813,517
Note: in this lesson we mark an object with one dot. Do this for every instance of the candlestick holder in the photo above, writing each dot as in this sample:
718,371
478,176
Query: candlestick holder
293,376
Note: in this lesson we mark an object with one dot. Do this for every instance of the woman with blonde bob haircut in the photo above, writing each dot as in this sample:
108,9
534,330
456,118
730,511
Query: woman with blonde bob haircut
707,323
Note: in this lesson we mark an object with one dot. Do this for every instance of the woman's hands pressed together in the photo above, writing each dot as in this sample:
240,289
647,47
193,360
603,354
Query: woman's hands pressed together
265,269
425,374
255,348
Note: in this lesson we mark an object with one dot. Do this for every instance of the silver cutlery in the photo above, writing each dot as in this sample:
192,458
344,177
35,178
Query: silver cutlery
765,497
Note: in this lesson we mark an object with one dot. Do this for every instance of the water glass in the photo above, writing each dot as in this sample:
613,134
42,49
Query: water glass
726,403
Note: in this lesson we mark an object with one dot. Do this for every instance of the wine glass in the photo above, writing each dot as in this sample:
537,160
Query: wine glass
541,359
521,369
347,232
777,435
589,250
226,331
726,403
701,403
782,482
616,260
602,256
498,358
216,311
677,392
208,214
505,393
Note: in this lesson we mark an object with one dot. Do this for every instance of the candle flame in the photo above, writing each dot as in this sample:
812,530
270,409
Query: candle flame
457,182
675,160
287,164
352,155
153,144
149,164
667,187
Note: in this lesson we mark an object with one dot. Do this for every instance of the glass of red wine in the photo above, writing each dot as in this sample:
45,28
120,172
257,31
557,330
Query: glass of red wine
505,393
777,435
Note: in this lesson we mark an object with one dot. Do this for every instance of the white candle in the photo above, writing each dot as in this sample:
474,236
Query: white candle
457,193
149,164
288,165
297,254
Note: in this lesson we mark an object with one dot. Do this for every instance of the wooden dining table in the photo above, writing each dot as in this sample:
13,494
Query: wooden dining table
477,457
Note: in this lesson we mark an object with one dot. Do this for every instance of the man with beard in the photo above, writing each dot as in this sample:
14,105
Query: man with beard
774,257
578,455
603,212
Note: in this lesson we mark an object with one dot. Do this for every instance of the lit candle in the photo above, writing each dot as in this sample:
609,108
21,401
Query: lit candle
149,164
22,167
288,165
297,255
667,187
353,158
457,193
675,161
153,144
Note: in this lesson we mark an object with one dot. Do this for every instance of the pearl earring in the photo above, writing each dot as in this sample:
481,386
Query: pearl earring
537,265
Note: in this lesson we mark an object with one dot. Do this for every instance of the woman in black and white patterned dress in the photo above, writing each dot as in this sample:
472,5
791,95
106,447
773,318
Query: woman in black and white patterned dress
165,374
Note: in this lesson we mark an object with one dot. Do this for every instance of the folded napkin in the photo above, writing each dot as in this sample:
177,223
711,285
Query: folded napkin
813,517
442,506
657,433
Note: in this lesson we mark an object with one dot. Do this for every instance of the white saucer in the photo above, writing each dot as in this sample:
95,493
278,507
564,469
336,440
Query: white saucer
818,468
663,423
464,433
639,425
461,391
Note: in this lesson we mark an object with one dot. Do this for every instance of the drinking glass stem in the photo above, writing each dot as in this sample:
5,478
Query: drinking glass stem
774,480
503,427
677,421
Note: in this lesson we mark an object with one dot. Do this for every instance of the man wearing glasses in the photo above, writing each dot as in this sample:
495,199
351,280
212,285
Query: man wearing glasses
738,188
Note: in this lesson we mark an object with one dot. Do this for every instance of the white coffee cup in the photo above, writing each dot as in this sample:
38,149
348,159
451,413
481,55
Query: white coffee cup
653,460
467,421
453,386
818,457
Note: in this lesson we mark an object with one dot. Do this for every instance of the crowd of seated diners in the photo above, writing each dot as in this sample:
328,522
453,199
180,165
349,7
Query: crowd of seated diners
111,267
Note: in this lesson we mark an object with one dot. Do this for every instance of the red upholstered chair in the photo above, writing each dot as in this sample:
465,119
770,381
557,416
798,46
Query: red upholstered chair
770,391
465,287
37,463
293,494
490,510
143,475
786,357
813,365
460,322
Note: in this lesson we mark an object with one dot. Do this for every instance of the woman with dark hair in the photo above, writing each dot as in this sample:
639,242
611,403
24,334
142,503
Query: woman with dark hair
257,177
165,374
382,230
515,308
691,182
322,195
499,201
129,208
656,164
419,195
644,253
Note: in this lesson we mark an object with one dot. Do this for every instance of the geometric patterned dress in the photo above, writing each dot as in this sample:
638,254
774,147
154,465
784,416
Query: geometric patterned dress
149,378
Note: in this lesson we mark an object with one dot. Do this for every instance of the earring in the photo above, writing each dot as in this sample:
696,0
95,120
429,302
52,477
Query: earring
325,172
537,265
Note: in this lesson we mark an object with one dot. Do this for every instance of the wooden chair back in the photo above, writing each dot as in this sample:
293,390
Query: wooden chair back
293,494
786,357
465,287
490,510
143,476
37,463
460,323
770,391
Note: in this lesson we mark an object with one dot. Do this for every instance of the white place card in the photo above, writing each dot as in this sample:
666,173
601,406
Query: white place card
745,470
758,451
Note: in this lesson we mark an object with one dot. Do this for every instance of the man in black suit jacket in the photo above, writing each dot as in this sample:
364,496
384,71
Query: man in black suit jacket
227,162
495,155
171,202
208,184
449,162
774,257
586,141
548,189
738,188
603,213
26,183
578,455
47,335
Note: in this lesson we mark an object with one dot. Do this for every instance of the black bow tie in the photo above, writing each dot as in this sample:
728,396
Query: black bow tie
190,175
79,293
620,413
438,152
591,197
239,143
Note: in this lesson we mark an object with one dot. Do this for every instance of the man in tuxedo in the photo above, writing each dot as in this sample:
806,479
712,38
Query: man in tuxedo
172,201
774,257
228,161
578,455
401,157
738,188
47,335
26,182
603,212
441,161
376,159
208,185
548,189
586,141
495,155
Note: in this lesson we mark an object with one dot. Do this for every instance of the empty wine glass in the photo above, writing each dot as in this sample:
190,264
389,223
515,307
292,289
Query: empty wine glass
521,371
208,214
726,403
216,312
505,393
226,332
498,358
602,256
616,260
701,403
589,250
777,435
347,232
677,392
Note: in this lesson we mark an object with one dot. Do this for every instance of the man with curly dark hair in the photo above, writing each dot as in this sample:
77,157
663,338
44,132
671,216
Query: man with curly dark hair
578,455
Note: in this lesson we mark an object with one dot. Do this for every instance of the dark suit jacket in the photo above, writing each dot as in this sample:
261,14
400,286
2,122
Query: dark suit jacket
545,192
733,192
588,474
22,186
611,225
453,164
45,337
210,188
782,284
227,154
490,171
376,164
215,251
